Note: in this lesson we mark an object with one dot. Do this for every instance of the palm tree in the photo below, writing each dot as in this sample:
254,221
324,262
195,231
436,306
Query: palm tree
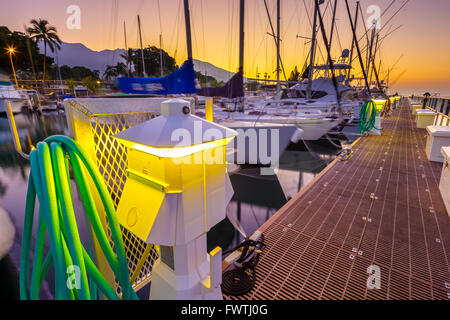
71,84
40,30
110,72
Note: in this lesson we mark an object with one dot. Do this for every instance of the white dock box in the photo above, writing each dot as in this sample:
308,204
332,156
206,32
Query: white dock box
444,185
416,107
438,137
425,118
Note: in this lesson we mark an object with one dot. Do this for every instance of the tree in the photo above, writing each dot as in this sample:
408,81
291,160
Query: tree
40,30
152,61
77,73
91,84
111,72
71,84
21,57
207,81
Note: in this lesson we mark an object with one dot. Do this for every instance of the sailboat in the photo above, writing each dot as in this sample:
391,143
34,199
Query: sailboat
312,123
271,139
8,93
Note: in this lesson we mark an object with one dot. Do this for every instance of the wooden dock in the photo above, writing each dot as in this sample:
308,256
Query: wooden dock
381,207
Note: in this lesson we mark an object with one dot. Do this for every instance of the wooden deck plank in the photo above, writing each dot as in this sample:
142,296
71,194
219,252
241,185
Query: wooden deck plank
380,207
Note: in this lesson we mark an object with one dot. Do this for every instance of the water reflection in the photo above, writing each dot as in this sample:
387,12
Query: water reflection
256,197
14,171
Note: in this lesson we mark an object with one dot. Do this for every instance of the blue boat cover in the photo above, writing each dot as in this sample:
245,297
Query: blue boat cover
178,82
234,88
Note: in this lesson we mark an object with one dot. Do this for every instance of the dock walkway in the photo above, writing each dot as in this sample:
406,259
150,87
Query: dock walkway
381,207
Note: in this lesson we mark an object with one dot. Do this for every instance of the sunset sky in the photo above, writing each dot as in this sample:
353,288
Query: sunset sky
421,45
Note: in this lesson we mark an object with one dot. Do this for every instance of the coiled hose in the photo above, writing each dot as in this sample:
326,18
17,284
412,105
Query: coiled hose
367,117
49,182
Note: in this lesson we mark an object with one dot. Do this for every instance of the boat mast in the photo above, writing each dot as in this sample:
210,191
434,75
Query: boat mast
333,22
142,49
357,46
241,44
353,41
278,49
126,47
241,36
187,19
274,38
370,49
373,57
312,54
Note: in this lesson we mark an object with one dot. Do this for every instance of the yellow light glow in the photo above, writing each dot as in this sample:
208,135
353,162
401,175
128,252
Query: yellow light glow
379,101
11,50
379,104
177,152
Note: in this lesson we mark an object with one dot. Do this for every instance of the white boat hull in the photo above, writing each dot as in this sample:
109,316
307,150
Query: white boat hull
16,105
260,143
313,127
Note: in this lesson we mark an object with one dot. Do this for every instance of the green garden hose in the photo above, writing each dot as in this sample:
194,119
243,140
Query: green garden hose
49,182
367,117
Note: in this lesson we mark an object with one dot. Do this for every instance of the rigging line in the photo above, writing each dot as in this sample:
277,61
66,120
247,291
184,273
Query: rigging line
311,25
115,22
333,76
393,16
159,16
171,38
337,33
178,29
381,40
394,65
338,37
261,21
274,37
287,27
388,7
307,14
230,33
366,35
203,36
382,14
385,36
161,60
398,78
194,34
232,44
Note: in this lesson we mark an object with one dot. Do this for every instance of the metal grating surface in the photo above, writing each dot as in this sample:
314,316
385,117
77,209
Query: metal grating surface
111,159
381,207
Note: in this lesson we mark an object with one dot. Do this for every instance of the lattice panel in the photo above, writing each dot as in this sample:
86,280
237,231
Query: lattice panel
111,159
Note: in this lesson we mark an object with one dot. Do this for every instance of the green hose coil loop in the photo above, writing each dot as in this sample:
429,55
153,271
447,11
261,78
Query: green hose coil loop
367,117
49,182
